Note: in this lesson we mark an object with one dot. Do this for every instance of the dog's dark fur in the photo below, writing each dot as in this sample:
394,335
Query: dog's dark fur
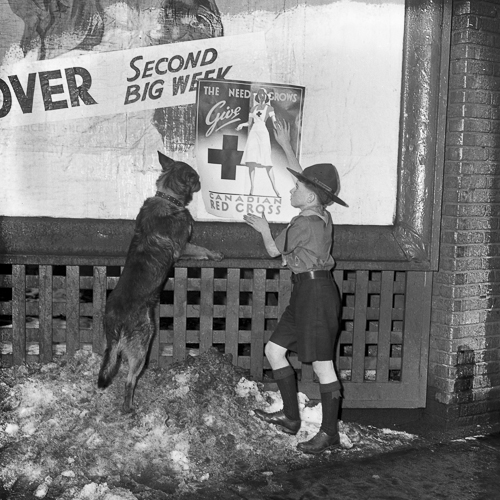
161,236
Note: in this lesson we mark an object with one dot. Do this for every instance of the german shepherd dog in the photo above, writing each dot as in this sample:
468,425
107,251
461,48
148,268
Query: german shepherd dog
162,231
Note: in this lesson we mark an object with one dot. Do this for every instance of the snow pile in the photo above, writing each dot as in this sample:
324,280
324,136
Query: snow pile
63,438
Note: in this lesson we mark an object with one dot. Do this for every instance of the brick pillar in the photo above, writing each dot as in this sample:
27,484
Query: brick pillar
464,368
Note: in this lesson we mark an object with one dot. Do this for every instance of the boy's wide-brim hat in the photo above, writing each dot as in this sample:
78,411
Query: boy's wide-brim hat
323,176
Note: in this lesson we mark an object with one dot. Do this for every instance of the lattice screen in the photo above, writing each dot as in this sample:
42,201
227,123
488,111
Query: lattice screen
47,311
371,342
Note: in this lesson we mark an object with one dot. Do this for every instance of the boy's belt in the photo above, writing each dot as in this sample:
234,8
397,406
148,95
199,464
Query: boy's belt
311,275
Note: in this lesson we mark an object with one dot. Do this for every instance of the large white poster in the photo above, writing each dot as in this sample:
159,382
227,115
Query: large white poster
90,91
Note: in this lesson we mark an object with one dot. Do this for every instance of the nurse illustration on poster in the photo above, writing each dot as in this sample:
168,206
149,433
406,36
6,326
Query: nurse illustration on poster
257,153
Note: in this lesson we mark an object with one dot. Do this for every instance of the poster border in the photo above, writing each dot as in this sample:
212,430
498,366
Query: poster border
411,243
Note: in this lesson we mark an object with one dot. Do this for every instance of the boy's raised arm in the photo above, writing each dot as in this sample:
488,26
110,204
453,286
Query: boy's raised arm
282,136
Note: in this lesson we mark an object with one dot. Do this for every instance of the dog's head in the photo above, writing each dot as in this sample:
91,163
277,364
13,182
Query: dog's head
179,177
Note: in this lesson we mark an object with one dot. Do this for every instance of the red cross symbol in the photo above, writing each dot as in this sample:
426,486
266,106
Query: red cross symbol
228,157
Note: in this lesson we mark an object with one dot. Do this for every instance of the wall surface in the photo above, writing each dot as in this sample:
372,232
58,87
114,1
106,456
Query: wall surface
464,374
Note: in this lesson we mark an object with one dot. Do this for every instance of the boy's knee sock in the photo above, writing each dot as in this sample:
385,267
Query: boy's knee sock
285,378
330,402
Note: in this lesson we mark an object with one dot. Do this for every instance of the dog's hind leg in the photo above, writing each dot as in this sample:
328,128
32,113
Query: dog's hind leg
136,346
110,364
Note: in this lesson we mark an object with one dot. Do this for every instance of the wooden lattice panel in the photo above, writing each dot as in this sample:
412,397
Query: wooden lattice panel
48,311
235,310
371,342
51,310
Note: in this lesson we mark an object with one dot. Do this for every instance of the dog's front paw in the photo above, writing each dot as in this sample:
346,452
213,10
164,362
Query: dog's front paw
201,253
215,255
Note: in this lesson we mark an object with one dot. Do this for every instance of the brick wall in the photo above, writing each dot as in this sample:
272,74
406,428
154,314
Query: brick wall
464,371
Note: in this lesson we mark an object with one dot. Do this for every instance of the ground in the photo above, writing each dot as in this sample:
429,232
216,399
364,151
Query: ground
193,427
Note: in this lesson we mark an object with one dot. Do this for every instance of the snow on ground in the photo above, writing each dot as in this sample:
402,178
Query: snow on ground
62,438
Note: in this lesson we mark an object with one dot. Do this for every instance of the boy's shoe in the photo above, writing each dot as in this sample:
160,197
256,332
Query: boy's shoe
319,443
281,421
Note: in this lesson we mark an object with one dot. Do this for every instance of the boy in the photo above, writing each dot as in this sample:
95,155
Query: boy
310,323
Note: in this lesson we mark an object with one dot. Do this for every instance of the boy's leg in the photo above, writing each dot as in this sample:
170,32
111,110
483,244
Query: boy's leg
287,385
329,387
287,419
284,375
330,402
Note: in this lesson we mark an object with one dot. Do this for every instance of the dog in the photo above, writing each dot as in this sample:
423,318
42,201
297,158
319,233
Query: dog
161,236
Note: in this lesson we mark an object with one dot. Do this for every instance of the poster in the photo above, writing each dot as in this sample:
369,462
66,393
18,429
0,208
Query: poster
242,167
86,102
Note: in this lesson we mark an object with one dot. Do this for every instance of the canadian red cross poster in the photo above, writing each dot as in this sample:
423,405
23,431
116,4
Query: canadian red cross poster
243,169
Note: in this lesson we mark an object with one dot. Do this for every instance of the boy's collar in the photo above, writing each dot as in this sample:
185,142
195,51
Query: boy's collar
316,210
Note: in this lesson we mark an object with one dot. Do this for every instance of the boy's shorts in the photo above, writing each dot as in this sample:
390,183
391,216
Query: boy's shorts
310,324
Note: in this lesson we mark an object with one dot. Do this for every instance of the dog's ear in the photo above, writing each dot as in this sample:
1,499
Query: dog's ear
165,162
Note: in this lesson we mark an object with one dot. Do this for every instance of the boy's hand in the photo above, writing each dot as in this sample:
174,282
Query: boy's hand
260,224
282,133
282,136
